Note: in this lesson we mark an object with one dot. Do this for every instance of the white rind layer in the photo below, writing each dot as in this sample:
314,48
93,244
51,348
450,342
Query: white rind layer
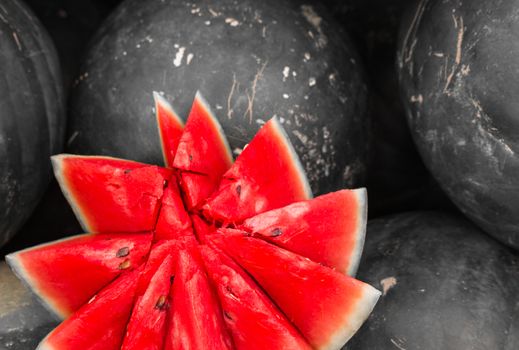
57,165
19,270
161,102
354,320
221,134
303,180
361,195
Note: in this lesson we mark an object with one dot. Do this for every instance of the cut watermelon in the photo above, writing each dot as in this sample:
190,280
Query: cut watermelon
328,229
326,306
196,321
259,181
66,273
201,198
159,251
170,128
146,329
254,322
203,154
173,221
99,324
109,194
201,227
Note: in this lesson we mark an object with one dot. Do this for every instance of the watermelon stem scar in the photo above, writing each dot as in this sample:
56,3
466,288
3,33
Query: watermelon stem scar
205,252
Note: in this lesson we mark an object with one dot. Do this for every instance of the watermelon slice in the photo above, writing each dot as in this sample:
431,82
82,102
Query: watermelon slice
255,323
258,210
170,128
99,324
146,329
259,181
203,154
110,194
173,221
326,306
201,227
66,273
328,229
196,321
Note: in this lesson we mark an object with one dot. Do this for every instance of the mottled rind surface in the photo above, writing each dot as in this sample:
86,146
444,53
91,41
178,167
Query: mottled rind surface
31,114
446,285
459,75
23,321
251,60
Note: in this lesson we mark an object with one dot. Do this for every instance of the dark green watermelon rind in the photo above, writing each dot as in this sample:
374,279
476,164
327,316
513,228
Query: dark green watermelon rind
57,161
303,179
221,134
360,235
161,102
26,279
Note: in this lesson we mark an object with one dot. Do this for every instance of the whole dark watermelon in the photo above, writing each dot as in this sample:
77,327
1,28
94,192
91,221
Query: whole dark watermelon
31,114
446,285
251,60
460,81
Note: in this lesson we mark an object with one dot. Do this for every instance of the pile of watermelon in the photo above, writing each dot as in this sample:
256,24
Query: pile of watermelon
203,253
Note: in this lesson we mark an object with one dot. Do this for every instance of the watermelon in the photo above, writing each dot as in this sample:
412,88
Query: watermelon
168,273
254,321
170,128
196,321
65,274
322,229
129,192
247,188
100,323
203,154
147,325
305,290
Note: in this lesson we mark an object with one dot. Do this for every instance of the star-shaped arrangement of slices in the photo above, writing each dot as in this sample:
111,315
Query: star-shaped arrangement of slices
205,253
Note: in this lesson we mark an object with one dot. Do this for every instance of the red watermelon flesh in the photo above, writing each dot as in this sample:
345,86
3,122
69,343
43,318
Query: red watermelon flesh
326,306
159,251
99,324
259,181
66,273
173,221
196,321
203,154
328,229
201,227
109,194
170,128
147,327
254,322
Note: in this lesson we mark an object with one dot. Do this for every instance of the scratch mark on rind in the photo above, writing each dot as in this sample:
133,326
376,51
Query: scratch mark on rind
457,59
15,36
251,97
414,24
397,345
234,85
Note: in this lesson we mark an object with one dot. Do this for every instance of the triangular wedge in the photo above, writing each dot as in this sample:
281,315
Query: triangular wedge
201,227
203,154
99,324
170,128
173,221
196,321
159,251
110,194
147,327
254,321
326,306
66,273
266,175
328,229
